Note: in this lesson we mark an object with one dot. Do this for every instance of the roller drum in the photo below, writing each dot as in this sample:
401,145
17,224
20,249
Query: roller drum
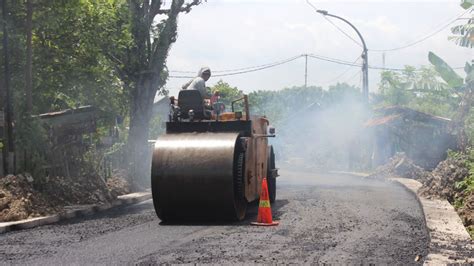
198,176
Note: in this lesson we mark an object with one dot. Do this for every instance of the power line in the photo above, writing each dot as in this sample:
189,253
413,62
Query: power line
353,64
343,73
400,69
357,73
424,38
333,60
334,24
245,70
240,69
266,66
341,30
260,68
451,21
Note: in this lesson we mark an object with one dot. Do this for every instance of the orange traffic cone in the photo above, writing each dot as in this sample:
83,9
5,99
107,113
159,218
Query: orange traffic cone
264,210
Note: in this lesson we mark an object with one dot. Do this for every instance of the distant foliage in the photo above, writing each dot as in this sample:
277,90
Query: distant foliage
421,89
463,34
280,105
227,92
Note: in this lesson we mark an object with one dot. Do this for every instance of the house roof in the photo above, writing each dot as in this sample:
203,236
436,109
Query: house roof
381,120
389,114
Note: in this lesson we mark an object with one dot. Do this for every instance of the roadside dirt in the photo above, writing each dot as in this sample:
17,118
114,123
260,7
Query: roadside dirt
441,181
118,185
19,200
75,191
23,197
399,165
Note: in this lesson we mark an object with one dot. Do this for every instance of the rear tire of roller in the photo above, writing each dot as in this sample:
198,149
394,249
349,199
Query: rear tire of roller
240,203
270,178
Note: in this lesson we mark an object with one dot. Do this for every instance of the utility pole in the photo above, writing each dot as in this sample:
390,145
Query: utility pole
306,71
365,77
365,55
383,60
9,166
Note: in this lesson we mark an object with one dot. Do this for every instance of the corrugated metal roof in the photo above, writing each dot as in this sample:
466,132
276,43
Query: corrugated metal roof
411,113
381,120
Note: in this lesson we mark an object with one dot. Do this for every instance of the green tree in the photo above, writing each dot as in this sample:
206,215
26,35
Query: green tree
394,88
227,92
55,57
421,89
464,33
464,36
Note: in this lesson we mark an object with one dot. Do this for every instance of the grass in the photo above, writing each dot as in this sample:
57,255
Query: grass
470,230
466,186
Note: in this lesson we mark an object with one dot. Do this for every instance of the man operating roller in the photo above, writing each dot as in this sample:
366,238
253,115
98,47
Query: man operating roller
199,83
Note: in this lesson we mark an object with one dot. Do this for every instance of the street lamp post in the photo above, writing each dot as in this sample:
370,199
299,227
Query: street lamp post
365,56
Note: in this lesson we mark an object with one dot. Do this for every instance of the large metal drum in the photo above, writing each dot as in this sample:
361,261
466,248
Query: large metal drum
198,176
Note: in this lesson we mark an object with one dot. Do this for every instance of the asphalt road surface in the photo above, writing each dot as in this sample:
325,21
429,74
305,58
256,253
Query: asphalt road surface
323,219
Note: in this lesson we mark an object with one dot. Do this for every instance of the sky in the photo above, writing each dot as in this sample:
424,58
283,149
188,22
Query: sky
232,34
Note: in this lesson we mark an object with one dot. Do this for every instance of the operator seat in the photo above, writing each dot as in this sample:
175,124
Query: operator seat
192,100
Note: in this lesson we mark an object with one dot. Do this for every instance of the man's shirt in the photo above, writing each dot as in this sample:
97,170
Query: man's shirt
198,84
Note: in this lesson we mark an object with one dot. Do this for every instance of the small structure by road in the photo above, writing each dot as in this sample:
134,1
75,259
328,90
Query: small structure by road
424,138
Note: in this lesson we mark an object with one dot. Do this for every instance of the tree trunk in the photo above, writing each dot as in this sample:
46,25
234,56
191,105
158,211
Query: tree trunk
7,101
140,151
461,116
29,61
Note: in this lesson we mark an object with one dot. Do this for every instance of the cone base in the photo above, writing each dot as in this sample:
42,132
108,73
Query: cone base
265,224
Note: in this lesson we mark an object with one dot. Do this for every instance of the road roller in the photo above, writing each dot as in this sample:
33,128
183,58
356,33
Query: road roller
209,165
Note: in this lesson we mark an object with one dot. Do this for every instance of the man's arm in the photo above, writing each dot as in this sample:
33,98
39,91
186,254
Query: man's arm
186,85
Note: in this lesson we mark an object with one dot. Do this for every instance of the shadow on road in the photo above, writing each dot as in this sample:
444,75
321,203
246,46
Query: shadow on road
251,216
252,210
114,212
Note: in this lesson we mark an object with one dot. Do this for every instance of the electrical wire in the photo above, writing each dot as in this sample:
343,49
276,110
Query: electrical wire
241,69
334,24
341,74
249,70
353,76
341,30
423,38
245,70
451,21
334,60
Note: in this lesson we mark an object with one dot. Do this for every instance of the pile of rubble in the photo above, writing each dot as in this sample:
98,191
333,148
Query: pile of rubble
399,166
19,200
117,184
22,197
75,191
441,182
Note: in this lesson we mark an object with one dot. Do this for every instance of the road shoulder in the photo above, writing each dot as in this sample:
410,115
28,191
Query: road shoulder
75,211
447,232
